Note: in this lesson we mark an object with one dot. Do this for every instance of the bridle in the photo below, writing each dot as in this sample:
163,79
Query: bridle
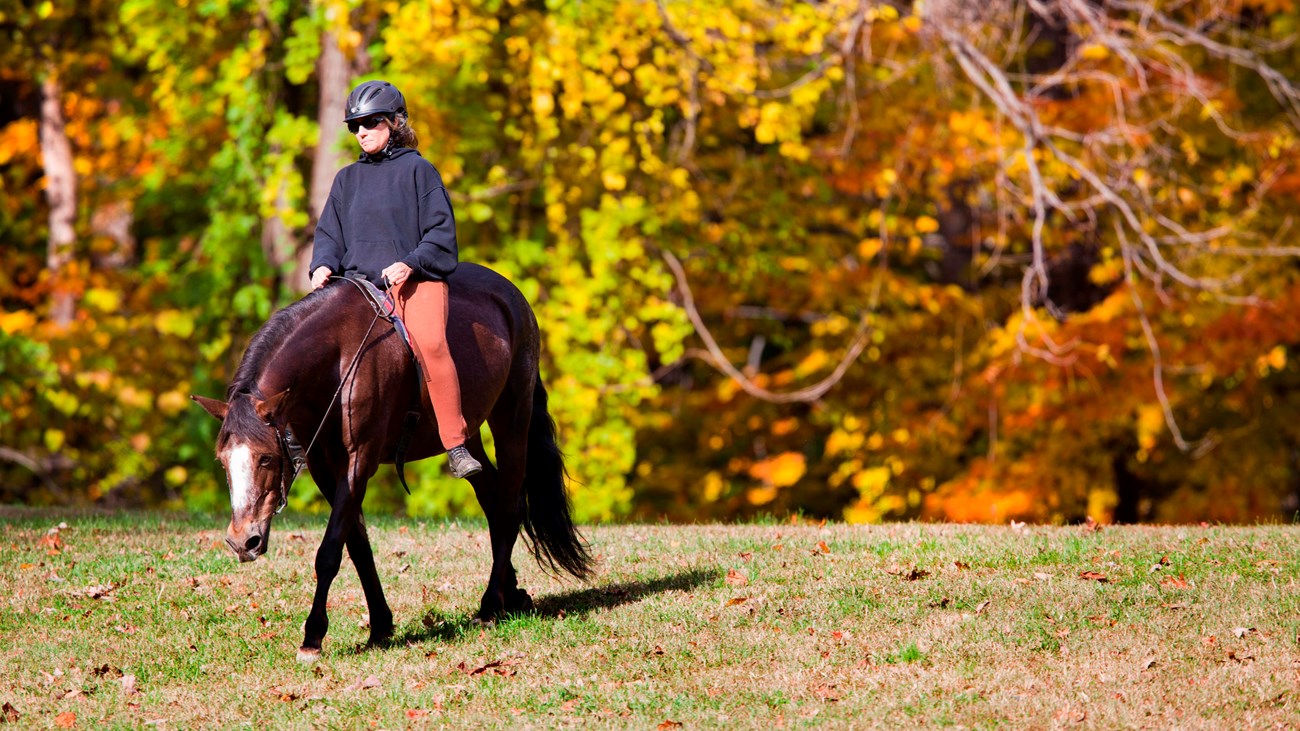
291,450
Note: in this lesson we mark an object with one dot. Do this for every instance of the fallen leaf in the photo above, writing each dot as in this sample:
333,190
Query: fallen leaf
11,714
961,565
822,548
979,608
51,542
99,591
1243,659
414,713
1093,576
735,578
1147,663
67,719
1174,582
128,685
916,574
826,692
1042,576
1242,631
370,682
667,725
496,667
737,600
1091,525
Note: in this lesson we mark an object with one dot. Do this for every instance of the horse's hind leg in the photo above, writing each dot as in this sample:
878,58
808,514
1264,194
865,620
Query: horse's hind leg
499,492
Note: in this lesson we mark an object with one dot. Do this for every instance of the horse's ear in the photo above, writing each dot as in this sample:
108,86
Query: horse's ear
212,406
268,407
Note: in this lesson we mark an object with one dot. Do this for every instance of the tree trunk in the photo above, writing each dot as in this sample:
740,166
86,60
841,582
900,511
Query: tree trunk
61,194
333,73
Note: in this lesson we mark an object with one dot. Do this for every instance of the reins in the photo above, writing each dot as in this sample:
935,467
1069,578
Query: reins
288,442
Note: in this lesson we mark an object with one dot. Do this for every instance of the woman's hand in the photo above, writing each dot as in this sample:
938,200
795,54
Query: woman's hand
396,273
320,277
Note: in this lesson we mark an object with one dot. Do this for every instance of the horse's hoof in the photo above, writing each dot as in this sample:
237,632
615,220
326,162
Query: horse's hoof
518,601
308,655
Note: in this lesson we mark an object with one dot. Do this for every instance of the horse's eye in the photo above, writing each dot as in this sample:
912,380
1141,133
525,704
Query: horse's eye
264,461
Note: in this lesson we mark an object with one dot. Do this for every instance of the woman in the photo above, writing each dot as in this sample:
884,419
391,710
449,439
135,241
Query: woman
389,219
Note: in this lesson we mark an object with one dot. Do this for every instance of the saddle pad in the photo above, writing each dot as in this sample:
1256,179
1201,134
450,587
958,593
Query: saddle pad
384,306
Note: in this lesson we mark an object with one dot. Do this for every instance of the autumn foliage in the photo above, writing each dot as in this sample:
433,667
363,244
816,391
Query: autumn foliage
870,261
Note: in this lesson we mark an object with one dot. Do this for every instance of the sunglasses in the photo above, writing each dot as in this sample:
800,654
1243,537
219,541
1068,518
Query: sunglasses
368,123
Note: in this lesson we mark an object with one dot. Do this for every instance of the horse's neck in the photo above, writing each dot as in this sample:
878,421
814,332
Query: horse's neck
307,354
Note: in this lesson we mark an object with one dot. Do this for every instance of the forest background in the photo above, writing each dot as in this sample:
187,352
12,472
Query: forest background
1008,260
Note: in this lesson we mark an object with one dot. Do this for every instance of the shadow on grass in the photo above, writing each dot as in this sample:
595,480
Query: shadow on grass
439,627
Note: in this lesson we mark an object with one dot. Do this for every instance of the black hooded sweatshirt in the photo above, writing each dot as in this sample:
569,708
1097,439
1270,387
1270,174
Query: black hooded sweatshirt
385,208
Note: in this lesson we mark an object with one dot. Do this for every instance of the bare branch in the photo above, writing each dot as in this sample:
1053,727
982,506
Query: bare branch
719,359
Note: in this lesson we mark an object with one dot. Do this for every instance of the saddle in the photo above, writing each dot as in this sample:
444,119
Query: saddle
383,307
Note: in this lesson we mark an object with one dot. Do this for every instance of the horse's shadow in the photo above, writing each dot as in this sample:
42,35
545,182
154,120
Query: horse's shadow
438,627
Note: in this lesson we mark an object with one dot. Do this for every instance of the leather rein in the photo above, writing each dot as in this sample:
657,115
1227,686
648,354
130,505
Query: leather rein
290,447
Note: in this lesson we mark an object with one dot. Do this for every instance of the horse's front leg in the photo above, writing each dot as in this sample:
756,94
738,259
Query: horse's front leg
381,617
329,557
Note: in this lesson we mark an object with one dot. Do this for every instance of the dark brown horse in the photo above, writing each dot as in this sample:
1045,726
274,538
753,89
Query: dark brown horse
332,342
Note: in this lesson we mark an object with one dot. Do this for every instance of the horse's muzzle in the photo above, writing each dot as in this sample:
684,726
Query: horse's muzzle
247,544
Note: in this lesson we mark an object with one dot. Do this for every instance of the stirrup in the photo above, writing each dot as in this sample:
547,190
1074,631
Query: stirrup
462,463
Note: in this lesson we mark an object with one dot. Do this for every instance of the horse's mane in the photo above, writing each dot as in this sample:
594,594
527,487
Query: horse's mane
271,337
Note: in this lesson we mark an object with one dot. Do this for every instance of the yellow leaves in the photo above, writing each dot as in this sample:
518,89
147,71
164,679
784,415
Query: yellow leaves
926,225
106,301
613,181
173,402
1274,360
1094,52
17,322
713,486
19,139
1106,271
543,103
1150,424
54,439
174,322
872,481
782,470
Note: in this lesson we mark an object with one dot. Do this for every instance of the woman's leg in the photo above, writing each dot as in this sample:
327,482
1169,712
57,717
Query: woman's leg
423,307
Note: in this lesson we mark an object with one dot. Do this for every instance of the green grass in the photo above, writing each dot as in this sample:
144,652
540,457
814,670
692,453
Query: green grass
146,621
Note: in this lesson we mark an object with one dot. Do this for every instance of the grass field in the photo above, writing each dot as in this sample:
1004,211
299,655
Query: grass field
146,621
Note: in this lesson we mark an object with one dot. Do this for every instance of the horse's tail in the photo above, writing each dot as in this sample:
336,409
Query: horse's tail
554,540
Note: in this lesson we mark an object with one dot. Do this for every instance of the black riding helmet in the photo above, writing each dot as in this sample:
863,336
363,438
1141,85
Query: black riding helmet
374,97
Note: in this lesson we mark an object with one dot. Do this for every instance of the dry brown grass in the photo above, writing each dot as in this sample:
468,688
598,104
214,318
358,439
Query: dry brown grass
141,620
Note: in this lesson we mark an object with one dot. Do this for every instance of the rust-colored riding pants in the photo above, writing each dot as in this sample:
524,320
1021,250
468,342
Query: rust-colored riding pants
423,308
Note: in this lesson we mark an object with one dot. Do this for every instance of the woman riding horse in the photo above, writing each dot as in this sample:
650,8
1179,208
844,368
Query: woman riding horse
388,218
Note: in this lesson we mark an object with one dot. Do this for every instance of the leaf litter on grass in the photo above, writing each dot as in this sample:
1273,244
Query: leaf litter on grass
674,630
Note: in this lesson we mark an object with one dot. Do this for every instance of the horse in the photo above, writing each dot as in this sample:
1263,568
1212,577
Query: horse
337,340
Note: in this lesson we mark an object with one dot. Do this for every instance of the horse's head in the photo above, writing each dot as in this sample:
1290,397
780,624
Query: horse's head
254,450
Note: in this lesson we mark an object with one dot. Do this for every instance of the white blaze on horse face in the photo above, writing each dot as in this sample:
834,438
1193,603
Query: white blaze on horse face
239,470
